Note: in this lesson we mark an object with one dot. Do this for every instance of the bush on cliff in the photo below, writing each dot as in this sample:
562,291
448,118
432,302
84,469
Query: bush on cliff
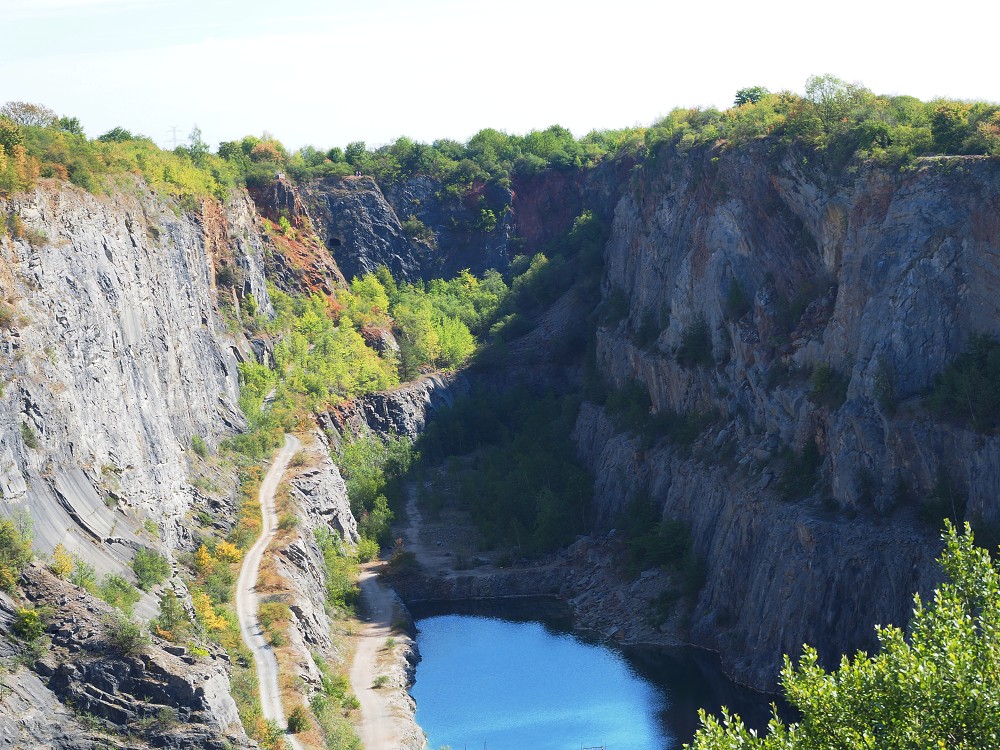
15,549
935,685
968,391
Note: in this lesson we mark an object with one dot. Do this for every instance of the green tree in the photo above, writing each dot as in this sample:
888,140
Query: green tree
950,126
937,688
172,622
119,593
15,549
70,125
116,135
750,95
354,153
150,567
197,147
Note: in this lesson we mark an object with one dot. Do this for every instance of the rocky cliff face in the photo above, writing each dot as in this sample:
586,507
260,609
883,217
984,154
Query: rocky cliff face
413,228
115,360
422,229
777,269
404,411
882,277
158,695
113,357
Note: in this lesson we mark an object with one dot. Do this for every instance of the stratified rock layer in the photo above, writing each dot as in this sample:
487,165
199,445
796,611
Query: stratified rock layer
889,274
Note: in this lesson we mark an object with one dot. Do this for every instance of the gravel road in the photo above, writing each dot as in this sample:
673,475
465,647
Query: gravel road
247,599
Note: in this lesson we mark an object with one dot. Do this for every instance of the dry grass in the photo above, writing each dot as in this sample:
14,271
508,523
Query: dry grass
269,580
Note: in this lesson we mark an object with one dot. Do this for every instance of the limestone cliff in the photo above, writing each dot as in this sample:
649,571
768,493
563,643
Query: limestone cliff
776,268
113,357
116,359
881,276
413,228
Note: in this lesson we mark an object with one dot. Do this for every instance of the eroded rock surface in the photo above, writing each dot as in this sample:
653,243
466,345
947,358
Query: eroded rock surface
159,693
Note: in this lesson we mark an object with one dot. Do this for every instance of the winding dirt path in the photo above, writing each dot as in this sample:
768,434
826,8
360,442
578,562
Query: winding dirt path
246,595
381,726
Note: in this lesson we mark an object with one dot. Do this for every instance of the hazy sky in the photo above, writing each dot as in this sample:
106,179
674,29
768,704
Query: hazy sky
329,72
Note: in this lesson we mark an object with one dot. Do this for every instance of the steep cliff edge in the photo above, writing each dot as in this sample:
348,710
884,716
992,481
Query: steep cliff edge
738,274
115,360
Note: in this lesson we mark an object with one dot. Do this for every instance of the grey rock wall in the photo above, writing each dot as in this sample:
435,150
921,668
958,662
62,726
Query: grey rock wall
117,358
403,411
363,228
892,273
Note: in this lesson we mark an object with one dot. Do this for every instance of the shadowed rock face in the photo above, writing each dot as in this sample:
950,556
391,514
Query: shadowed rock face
365,225
414,228
895,272
403,411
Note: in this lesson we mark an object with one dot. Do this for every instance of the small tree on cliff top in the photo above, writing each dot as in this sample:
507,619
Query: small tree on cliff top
938,688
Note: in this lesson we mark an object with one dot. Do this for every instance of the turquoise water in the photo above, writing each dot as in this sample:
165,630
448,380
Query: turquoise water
489,683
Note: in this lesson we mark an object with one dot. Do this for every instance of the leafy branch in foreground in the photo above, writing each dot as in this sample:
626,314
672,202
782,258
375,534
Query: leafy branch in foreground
937,688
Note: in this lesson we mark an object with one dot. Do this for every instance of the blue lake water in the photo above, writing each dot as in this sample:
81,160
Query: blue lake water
497,684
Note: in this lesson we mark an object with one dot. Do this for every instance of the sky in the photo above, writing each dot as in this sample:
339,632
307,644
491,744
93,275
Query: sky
328,72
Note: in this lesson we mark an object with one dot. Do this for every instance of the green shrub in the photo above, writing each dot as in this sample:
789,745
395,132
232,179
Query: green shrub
945,501
274,616
7,318
373,469
341,588
198,446
968,391
696,345
648,331
298,720
84,576
653,541
368,549
219,584
119,593
801,472
150,568
630,409
28,625
15,549
29,436
126,635
414,228
172,622
829,387
737,302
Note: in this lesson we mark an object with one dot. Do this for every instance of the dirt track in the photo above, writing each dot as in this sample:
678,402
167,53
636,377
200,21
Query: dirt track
246,594
385,725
